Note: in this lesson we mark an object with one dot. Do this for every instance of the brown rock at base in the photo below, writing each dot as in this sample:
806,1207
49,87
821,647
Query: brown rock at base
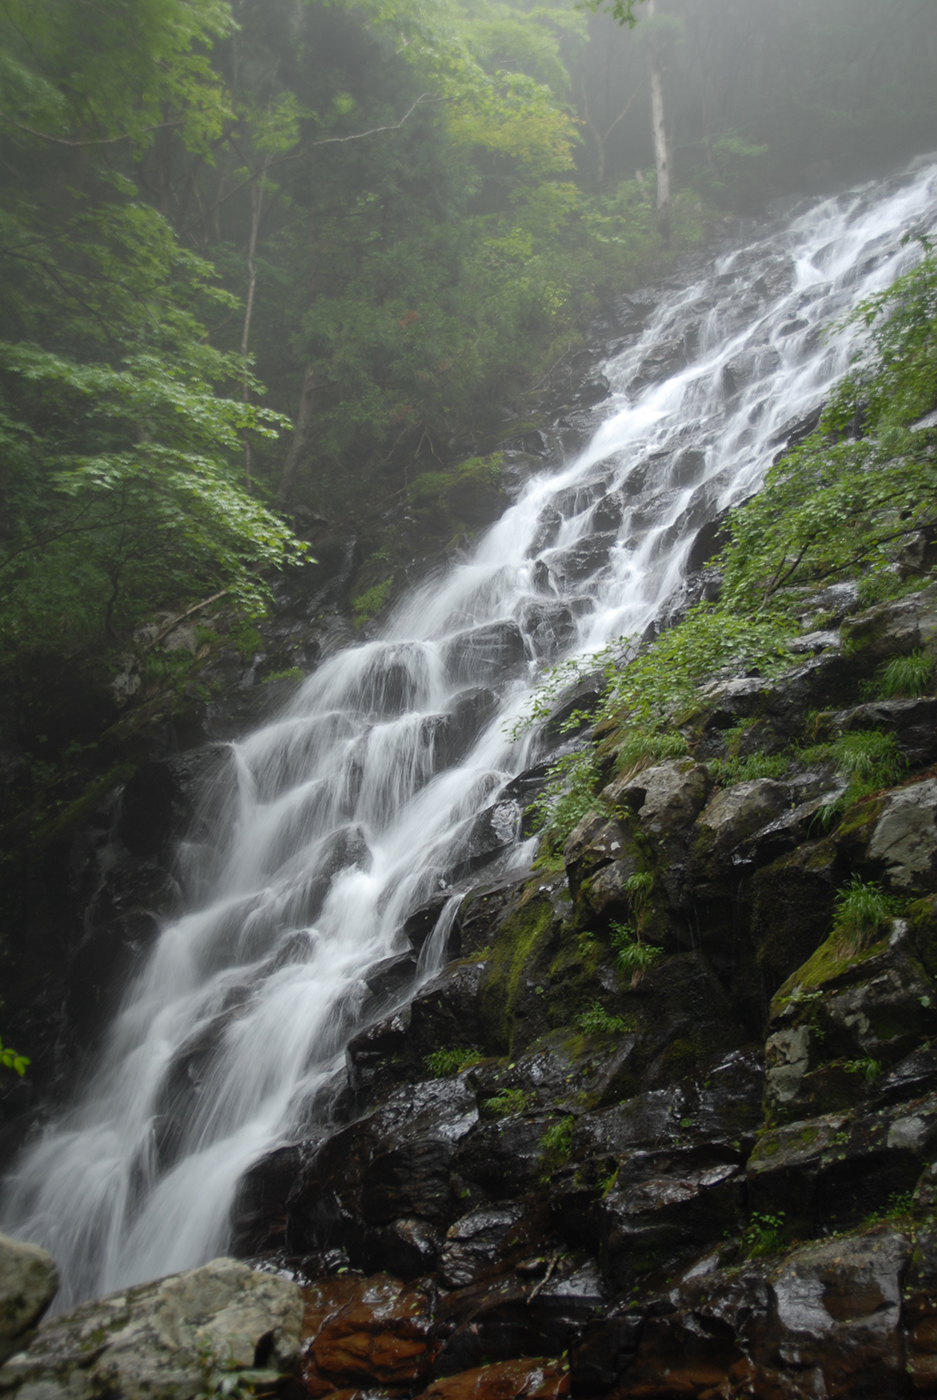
362,1332
506,1380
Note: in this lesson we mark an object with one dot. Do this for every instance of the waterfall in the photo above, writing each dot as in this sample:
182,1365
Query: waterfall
369,794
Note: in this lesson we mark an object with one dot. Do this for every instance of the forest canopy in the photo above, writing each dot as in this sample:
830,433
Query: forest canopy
272,252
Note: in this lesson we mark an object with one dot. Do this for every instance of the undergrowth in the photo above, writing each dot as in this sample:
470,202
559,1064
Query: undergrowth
598,1021
868,758
632,954
442,1063
764,1234
904,677
507,1103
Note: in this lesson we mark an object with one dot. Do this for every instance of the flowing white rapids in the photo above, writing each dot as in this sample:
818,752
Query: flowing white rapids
364,800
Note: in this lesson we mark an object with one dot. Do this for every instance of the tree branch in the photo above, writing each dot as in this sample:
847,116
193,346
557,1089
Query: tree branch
395,126
308,146
93,140
196,607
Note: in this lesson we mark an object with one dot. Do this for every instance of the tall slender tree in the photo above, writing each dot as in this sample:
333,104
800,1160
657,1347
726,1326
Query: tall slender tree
656,64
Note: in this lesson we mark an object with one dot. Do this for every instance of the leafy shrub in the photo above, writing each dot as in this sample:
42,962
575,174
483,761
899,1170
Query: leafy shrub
569,796
899,1203
765,1234
367,605
632,955
442,1063
506,1103
598,1021
11,1060
557,1140
869,1069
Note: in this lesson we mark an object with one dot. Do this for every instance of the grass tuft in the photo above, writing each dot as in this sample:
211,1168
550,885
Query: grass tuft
863,911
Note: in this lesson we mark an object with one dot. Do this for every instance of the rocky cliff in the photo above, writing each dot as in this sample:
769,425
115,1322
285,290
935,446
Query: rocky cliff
710,1170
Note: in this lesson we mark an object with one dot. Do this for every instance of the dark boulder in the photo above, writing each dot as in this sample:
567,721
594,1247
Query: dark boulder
482,652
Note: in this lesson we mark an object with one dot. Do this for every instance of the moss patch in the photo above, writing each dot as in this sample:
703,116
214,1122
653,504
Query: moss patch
831,961
522,934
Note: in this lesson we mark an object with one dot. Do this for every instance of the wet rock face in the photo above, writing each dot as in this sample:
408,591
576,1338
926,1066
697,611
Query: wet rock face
505,1380
635,1172
847,1011
904,839
362,1332
171,1340
827,1321
602,1151
28,1283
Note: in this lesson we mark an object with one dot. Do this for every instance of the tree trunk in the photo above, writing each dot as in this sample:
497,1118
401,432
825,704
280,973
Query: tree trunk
661,154
285,487
257,199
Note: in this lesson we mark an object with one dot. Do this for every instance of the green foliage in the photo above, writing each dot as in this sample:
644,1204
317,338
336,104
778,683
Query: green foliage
569,796
621,11
122,439
764,1234
655,686
868,757
838,505
11,1060
507,1103
639,887
734,172
127,71
727,771
905,677
245,637
869,1068
598,1021
862,913
608,1182
633,956
870,760
442,1063
641,746
292,673
900,1203
367,605
556,1142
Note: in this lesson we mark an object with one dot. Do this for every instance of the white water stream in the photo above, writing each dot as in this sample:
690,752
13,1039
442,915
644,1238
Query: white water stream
344,816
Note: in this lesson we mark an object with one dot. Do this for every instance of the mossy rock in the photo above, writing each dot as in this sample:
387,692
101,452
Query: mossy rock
542,972
66,822
792,908
832,962
894,628
529,929
467,498
855,830
922,918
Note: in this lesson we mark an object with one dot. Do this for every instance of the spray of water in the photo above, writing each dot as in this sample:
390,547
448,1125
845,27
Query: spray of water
366,797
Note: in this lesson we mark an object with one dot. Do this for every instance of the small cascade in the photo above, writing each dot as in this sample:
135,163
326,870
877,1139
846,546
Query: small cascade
383,784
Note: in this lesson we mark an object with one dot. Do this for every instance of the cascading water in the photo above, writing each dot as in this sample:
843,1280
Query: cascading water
368,795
